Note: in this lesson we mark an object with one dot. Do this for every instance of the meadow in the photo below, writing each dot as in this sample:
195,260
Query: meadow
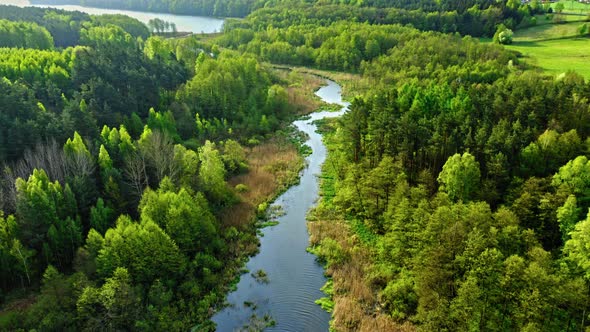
544,31
571,6
556,56
555,48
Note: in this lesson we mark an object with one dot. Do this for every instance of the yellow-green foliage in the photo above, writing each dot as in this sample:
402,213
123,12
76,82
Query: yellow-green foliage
32,65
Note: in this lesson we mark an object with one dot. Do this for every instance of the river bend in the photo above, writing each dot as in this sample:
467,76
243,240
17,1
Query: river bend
294,276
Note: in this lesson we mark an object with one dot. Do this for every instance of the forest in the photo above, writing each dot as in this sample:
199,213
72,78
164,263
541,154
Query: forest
475,18
471,196
115,156
226,8
454,197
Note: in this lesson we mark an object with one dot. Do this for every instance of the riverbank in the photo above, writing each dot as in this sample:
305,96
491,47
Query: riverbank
351,84
274,166
345,248
292,278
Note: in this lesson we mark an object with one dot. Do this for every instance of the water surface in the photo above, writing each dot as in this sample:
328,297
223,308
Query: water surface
185,23
294,276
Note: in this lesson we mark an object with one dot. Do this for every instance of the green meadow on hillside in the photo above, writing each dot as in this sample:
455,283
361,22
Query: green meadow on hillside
556,56
571,6
555,48
545,20
547,31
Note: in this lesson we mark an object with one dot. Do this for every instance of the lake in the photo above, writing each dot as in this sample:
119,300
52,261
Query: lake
195,24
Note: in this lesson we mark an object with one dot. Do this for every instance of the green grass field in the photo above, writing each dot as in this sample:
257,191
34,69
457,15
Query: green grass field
557,56
547,19
555,48
572,6
547,31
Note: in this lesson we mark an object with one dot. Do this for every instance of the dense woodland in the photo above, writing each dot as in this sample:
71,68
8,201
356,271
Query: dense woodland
472,193
115,152
228,8
463,173
475,18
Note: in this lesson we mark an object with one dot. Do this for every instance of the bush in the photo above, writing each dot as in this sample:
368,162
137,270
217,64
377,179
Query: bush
330,252
242,188
583,30
503,35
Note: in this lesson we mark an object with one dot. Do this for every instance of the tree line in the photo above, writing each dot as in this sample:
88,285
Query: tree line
115,154
233,8
464,172
64,26
24,35
466,18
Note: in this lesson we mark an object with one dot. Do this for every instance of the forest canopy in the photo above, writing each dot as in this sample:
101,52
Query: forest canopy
112,148
459,174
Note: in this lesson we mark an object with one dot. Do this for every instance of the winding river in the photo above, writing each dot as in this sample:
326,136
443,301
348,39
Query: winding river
294,276
185,23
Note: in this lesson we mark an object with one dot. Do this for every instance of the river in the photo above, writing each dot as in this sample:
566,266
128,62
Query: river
294,276
184,23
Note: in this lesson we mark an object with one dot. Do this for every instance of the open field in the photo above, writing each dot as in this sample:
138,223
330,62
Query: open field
557,56
555,48
547,31
571,6
549,19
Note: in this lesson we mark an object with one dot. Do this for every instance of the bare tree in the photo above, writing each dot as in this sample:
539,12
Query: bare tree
7,190
48,156
135,173
80,165
158,151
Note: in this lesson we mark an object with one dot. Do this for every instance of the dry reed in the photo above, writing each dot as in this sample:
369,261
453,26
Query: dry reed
356,307
301,89
272,166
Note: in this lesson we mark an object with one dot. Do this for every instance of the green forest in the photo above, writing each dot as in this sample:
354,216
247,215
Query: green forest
115,149
133,167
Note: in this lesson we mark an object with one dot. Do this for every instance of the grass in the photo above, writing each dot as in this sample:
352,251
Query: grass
258,323
273,166
260,276
265,224
353,301
547,31
326,303
351,84
572,6
554,48
301,89
557,56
